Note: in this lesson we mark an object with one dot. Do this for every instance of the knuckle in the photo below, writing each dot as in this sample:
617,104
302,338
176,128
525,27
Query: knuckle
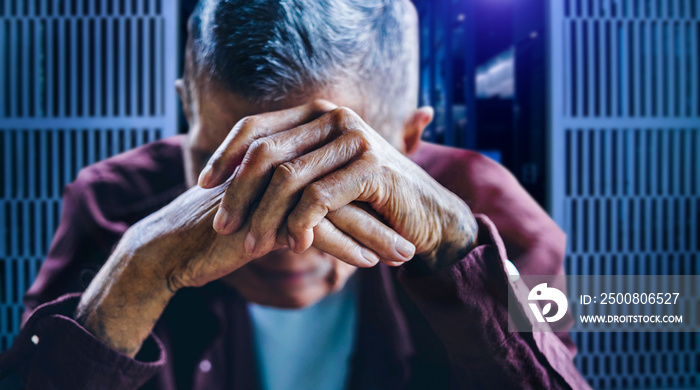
356,134
295,224
369,161
321,105
359,138
248,123
343,114
176,281
261,149
317,194
286,175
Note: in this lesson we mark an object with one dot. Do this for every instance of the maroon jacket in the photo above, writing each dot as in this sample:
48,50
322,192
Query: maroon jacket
415,329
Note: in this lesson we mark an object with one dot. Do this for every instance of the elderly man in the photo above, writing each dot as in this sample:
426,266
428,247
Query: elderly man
324,247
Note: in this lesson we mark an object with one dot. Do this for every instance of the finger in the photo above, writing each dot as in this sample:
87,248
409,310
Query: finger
372,234
248,182
328,239
282,237
354,182
290,178
230,153
263,156
320,243
331,240
282,242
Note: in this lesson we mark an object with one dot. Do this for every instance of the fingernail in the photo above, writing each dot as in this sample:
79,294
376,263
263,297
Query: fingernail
249,244
292,244
205,176
221,219
371,258
405,248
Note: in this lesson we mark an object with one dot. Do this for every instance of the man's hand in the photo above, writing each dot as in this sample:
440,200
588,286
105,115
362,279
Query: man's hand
176,247
303,177
170,249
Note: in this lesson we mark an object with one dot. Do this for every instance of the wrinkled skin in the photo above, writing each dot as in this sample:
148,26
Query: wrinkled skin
314,178
294,178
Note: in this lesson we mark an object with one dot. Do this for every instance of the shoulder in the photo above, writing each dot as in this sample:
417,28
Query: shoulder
469,174
489,188
128,184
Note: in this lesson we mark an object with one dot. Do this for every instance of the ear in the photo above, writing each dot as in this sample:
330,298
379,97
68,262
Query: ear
414,126
182,92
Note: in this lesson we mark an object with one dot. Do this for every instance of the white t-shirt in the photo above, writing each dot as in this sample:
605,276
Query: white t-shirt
310,348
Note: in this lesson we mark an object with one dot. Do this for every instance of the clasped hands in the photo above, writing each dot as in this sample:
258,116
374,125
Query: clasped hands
316,175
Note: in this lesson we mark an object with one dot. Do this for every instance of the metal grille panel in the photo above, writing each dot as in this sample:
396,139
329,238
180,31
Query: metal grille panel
82,80
625,130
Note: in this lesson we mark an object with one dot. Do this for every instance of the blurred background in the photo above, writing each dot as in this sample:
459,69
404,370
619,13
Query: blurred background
592,104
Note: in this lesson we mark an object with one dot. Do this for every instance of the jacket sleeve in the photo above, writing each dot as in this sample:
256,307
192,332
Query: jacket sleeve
54,352
466,305
533,241
98,207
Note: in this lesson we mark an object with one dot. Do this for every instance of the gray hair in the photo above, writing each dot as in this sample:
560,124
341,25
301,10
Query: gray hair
270,50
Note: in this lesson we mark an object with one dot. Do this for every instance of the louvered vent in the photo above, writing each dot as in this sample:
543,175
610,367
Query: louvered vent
625,119
81,80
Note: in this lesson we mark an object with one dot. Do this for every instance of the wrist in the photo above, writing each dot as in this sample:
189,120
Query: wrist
458,236
124,301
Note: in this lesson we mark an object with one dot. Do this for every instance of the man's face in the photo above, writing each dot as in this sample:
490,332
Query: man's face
281,278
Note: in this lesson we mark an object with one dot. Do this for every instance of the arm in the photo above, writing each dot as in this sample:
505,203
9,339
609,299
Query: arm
170,249
108,345
98,207
466,305
82,243
53,350
65,354
533,241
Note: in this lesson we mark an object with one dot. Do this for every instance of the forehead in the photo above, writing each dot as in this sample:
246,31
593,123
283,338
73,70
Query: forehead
216,112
